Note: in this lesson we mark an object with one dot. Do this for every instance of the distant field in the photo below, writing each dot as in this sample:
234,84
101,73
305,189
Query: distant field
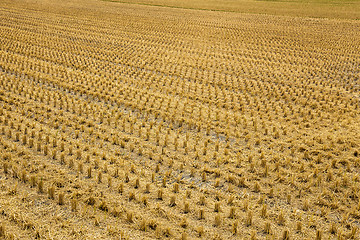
345,9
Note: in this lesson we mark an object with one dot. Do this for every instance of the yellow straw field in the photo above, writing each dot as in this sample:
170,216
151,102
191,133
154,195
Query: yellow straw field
167,120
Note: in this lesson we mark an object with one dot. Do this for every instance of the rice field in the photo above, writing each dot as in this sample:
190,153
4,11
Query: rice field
156,120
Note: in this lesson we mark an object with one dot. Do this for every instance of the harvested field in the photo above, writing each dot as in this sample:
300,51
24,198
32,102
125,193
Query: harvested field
132,121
